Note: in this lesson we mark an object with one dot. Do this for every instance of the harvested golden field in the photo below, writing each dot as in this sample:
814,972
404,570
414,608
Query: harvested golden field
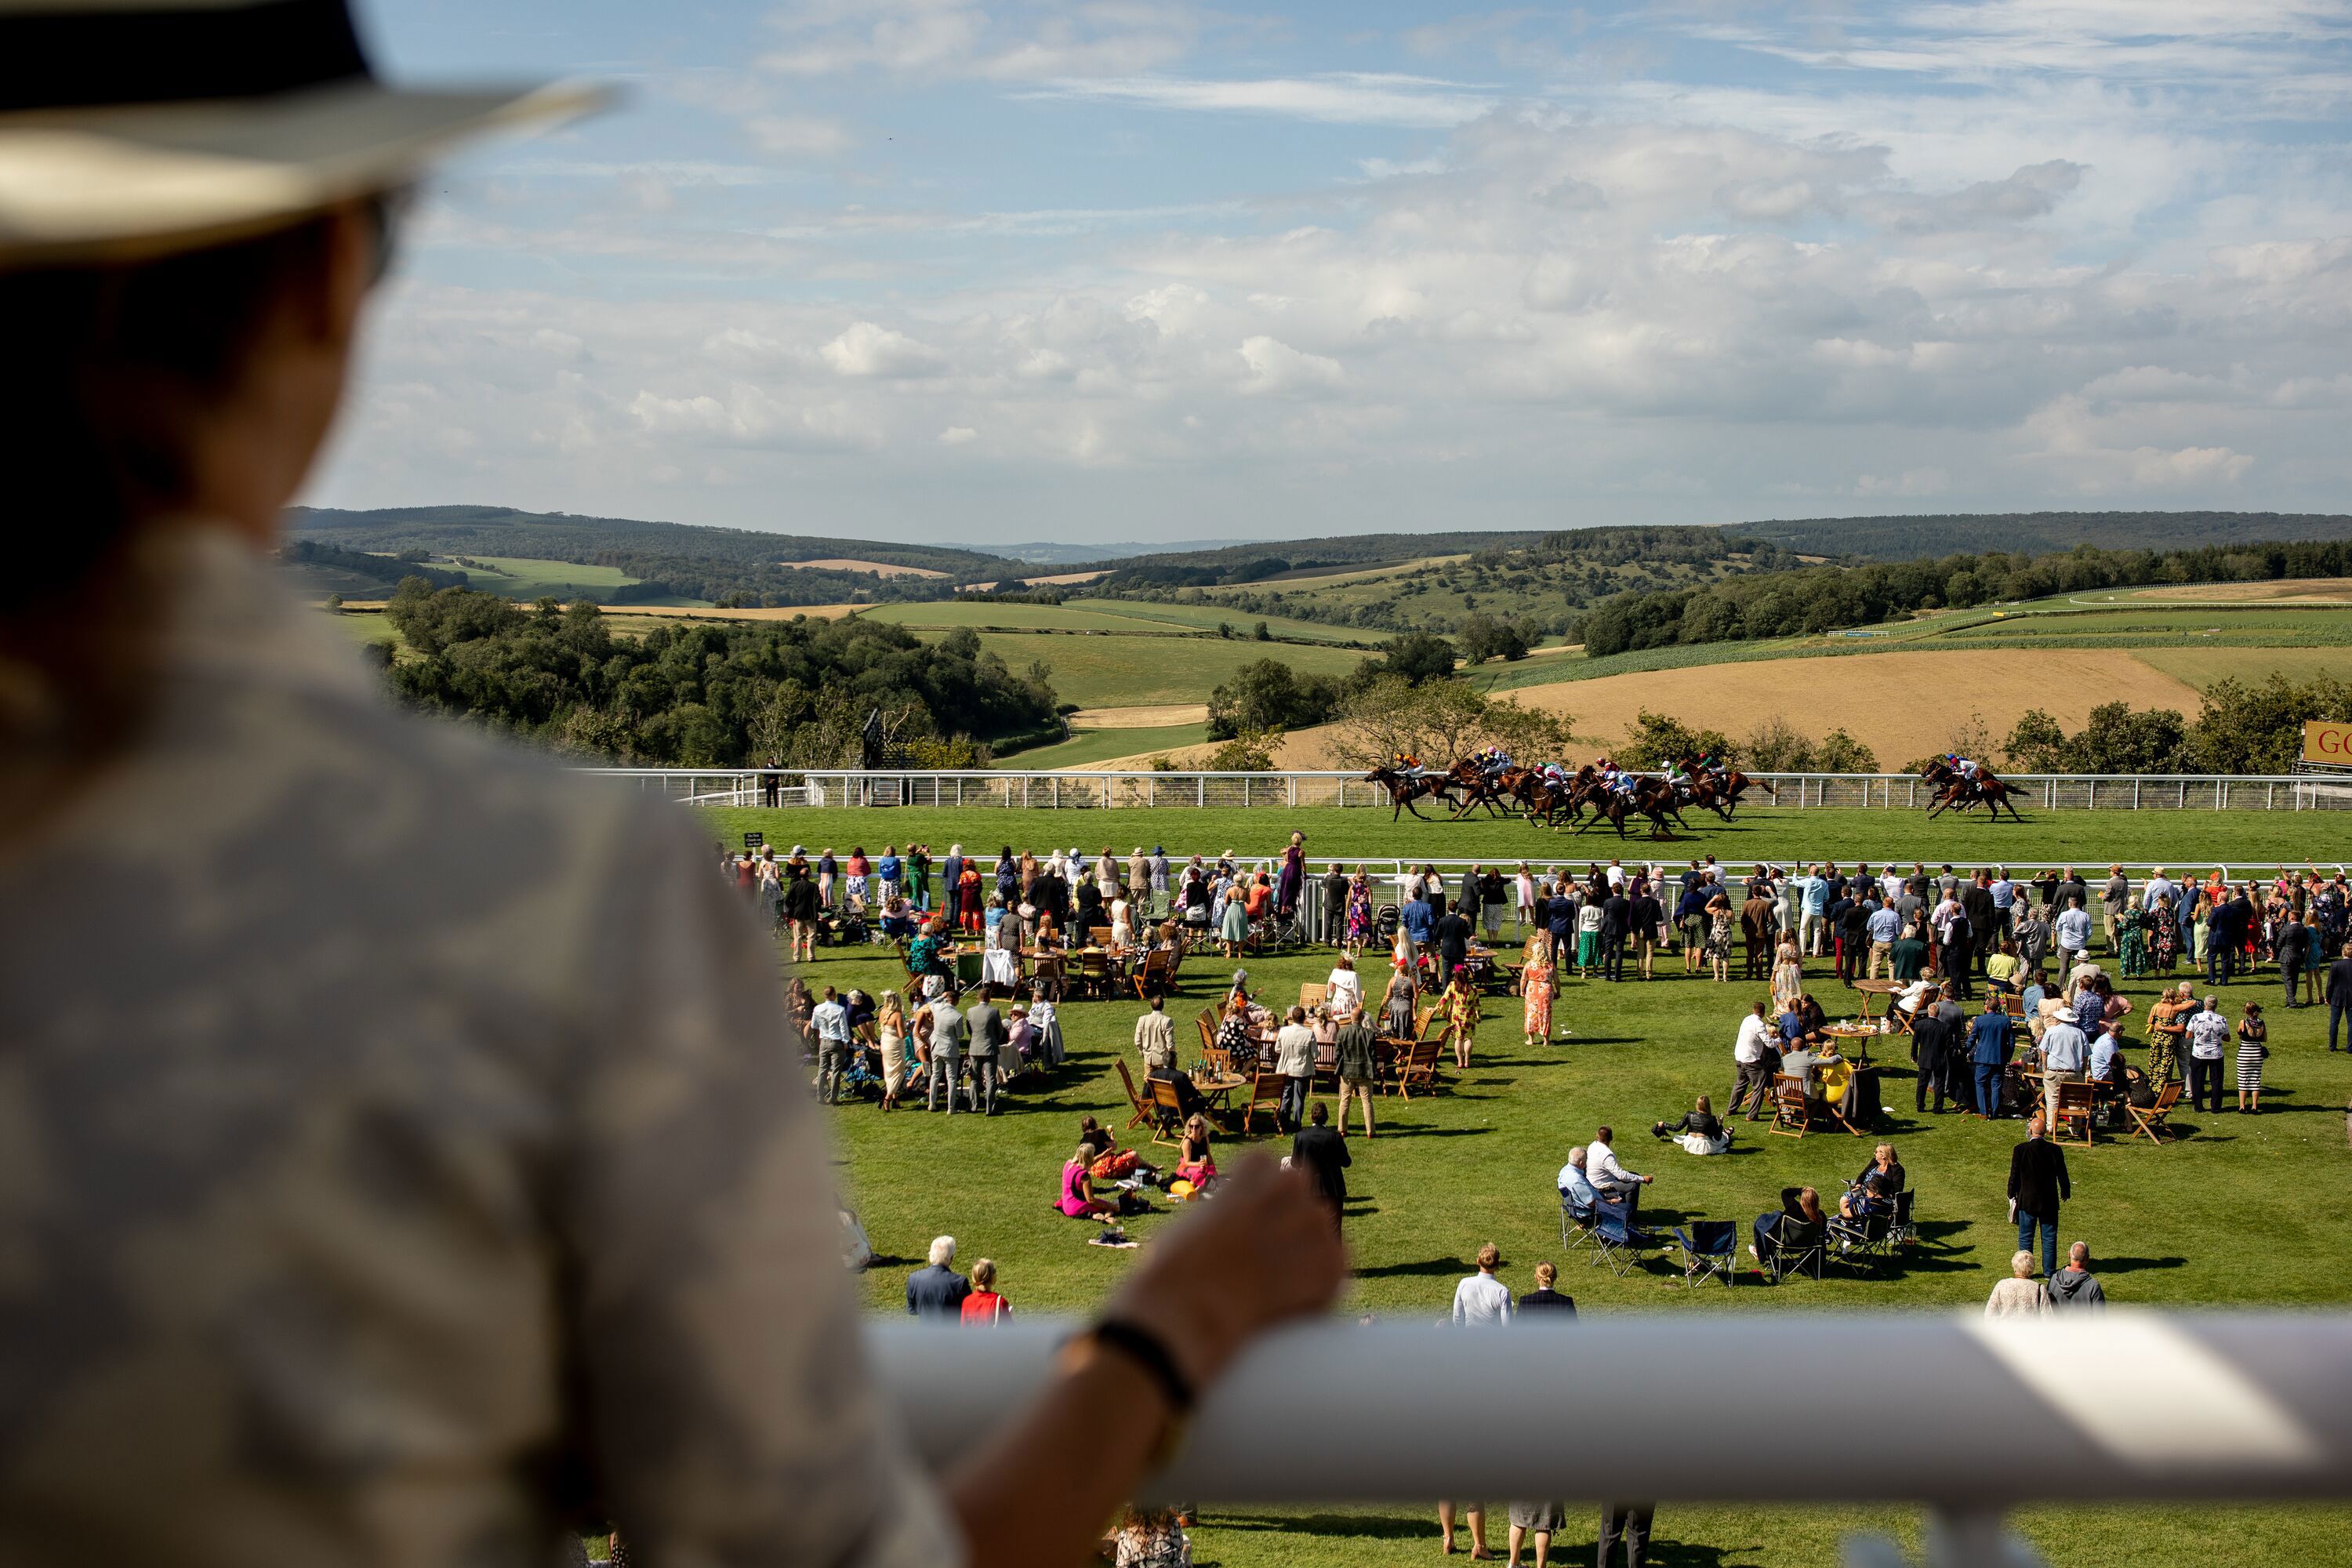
2284,591
879,568
1141,718
1901,705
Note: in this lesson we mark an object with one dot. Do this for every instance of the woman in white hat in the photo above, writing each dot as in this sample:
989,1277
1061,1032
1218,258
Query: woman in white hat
414,1170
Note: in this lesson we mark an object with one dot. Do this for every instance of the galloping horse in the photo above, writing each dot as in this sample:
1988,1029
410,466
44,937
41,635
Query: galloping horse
1954,792
1653,798
1404,790
1536,793
1723,798
1477,789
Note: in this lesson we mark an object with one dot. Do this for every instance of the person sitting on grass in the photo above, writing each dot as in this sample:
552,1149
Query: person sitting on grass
1699,1132
1194,1163
1079,1200
1106,1160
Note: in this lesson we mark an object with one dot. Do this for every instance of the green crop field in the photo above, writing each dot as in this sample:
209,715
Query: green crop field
1090,746
1208,618
981,613
518,577
2237,838
2233,1215
2201,667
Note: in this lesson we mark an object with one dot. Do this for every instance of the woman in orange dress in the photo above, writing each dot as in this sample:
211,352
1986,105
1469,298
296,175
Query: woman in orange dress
1535,987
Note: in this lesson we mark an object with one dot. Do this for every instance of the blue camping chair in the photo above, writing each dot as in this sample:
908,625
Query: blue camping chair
1575,1222
1616,1239
1709,1248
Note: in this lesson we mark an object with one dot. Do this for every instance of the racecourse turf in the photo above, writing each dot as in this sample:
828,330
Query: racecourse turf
2238,838
2239,1212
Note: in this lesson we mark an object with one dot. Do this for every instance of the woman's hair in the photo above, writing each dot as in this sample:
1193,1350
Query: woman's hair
1545,1275
1809,1200
1197,1127
984,1274
109,368
1089,1124
2022,1265
1706,1106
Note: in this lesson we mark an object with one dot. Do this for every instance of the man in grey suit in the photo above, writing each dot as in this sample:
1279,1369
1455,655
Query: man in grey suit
948,1036
988,1037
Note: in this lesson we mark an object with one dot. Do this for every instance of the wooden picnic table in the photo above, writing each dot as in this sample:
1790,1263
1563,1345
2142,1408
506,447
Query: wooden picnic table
1886,988
1861,1033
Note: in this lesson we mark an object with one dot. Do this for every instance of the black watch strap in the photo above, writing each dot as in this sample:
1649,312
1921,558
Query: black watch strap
1150,1353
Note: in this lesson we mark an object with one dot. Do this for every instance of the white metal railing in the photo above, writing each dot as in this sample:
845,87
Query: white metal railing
1085,790
1965,1416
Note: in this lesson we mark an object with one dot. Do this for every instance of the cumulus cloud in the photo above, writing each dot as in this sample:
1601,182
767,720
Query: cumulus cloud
867,350
1624,300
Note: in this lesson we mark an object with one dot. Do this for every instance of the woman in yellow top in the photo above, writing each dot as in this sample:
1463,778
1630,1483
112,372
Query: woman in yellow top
1535,987
2002,968
1461,1005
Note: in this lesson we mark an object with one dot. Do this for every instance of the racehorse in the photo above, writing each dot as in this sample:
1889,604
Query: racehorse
1954,792
1404,790
1477,788
1725,796
1653,798
1539,796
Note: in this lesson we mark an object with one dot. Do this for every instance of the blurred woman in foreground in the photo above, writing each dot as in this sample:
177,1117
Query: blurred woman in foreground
422,1171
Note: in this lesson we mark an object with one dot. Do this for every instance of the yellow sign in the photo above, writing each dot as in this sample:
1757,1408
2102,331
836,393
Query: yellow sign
2327,743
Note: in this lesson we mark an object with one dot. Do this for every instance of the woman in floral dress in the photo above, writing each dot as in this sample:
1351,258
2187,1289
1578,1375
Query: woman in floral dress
1536,992
1460,1005
1359,910
1718,935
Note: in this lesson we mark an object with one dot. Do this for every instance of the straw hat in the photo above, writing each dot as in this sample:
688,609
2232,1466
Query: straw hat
132,129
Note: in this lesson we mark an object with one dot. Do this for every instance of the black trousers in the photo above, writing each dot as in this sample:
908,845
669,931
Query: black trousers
2293,975
1931,1077
1629,1520
1613,955
2204,1079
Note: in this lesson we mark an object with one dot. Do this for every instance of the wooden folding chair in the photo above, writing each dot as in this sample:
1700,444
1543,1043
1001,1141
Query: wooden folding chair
1099,935
1314,994
1207,1022
1167,1110
2154,1122
1792,1112
1095,975
2074,1105
1418,1067
1219,1059
1266,1094
1050,970
1156,975
1142,1107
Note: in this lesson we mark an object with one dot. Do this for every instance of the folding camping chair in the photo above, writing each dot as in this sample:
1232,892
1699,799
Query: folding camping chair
1709,1248
1797,1249
1617,1241
1575,1222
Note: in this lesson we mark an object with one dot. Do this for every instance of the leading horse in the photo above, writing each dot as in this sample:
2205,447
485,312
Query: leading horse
1405,788
1956,792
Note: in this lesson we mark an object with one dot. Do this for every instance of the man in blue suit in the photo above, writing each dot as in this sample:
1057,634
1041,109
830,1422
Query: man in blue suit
1992,1039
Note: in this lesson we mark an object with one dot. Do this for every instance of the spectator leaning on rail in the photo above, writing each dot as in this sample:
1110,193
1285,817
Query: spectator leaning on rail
539,1077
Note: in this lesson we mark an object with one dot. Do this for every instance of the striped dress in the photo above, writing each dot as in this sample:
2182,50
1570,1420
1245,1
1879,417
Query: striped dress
2252,1047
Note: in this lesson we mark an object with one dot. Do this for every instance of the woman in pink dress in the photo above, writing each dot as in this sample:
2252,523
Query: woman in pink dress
1079,1200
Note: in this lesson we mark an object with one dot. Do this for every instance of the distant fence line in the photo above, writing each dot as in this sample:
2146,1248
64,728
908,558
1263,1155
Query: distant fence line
1011,789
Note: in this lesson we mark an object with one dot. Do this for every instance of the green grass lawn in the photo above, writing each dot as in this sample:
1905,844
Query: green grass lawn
2238,838
1476,1163
1099,745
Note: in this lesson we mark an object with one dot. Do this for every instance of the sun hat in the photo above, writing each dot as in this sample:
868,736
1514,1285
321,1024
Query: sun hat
132,128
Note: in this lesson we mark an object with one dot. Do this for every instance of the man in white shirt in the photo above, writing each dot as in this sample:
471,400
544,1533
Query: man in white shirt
829,1022
1481,1302
2208,1036
1609,1178
1294,1057
2064,1055
2159,885
2073,928
1751,1081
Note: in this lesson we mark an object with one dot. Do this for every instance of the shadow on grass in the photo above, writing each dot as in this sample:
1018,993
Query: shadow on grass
1426,1268
2134,1264
1409,1130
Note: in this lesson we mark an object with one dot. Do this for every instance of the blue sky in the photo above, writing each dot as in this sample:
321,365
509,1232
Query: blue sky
1136,270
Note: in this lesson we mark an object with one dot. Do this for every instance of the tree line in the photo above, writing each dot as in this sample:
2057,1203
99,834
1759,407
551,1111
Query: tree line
705,695
1813,600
